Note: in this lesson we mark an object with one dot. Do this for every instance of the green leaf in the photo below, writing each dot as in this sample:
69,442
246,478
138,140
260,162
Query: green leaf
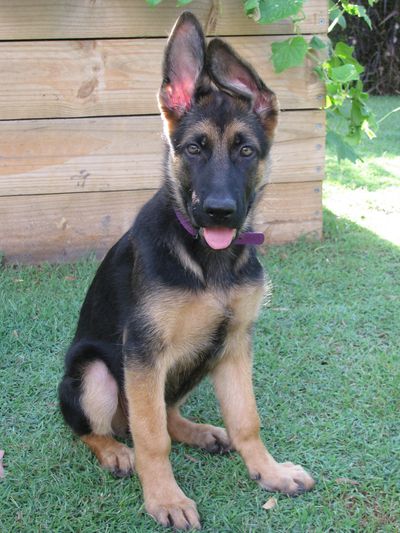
363,14
345,73
250,6
181,3
333,10
317,44
343,50
338,19
357,113
343,149
273,10
153,3
289,53
356,10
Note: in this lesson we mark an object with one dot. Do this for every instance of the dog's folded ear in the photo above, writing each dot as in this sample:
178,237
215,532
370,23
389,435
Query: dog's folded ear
183,67
236,77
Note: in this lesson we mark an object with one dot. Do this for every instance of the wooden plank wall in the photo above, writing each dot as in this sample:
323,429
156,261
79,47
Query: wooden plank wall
80,135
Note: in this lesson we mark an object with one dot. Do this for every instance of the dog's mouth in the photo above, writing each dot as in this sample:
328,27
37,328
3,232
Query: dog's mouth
218,238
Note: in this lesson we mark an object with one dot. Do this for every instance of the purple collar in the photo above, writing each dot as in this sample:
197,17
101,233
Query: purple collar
249,237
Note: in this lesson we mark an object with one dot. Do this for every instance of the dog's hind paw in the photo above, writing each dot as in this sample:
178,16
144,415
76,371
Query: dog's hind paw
216,440
120,462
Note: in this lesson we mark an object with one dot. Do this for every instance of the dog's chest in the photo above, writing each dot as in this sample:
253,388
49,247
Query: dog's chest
186,321
194,328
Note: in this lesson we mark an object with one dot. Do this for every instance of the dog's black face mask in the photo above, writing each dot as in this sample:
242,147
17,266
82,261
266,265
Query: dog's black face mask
219,119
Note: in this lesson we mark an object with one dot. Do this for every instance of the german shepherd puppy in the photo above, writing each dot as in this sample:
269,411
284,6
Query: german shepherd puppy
176,297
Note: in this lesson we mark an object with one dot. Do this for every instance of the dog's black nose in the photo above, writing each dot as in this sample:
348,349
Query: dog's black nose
219,208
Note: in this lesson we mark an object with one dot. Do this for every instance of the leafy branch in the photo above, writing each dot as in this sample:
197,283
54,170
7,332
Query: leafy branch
346,101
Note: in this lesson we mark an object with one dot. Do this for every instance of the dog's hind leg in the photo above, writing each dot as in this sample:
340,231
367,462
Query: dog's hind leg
211,438
99,401
90,404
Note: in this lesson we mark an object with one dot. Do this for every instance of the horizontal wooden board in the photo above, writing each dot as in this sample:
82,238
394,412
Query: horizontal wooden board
125,153
64,227
58,19
45,79
285,232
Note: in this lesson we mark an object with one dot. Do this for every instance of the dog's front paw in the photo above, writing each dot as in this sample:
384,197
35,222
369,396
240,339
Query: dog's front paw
287,477
179,513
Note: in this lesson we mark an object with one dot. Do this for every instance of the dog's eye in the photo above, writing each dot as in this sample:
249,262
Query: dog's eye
193,149
246,151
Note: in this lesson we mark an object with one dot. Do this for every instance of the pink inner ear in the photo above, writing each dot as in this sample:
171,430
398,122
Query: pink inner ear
261,100
179,94
262,103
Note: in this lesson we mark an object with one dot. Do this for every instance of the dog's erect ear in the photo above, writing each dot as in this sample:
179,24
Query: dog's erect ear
236,77
183,67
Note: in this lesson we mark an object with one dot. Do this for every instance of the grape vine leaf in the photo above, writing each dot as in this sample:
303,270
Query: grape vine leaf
289,53
268,11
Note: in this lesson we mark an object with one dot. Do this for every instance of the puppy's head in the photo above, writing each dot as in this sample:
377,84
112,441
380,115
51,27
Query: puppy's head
219,119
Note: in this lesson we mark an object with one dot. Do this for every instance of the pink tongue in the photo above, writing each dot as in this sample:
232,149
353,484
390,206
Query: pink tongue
218,238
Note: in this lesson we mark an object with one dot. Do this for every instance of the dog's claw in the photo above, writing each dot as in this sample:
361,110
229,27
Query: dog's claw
120,473
216,441
181,515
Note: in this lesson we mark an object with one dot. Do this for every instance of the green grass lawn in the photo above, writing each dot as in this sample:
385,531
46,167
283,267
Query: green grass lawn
327,380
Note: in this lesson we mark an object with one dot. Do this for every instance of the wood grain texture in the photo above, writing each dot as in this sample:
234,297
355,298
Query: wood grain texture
59,19
64,227
125,153
285,232
48,79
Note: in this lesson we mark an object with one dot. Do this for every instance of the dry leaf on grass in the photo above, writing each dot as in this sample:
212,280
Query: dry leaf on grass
343,480
191,458
1,463
270,504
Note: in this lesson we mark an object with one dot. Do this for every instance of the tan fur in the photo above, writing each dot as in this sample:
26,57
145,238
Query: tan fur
111,454
271,121
173,164
176,315
238,127
213,135
99,397
205,436
185,320
204,127
232,379
148,422
186,261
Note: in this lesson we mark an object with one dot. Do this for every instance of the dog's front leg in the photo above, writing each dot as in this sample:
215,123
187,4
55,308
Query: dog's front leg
164,499
233,386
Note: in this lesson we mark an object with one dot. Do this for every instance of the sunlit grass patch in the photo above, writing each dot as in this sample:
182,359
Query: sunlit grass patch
380,165
368,191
